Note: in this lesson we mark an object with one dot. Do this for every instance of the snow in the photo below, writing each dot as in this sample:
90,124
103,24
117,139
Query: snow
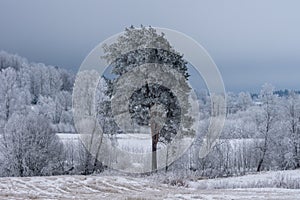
68,136
127,187
282,179
134,142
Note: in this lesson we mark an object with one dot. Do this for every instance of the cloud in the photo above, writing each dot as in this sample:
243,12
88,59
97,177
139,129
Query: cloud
252,42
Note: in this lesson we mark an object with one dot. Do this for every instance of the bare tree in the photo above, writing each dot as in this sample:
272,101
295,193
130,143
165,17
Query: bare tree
292,115
265,119
31,147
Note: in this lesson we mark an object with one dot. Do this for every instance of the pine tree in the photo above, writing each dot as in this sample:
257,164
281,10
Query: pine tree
152,105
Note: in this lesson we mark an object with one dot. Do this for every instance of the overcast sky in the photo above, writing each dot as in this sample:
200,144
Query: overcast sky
252,42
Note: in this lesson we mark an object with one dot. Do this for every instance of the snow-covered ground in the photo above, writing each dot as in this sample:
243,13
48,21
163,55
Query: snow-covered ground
126,187
130,142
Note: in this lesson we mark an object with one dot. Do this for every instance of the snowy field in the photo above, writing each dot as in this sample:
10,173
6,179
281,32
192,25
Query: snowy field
128,142
126,187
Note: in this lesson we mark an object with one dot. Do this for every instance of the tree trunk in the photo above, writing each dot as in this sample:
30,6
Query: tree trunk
154,133
297,161
87,163
261,161
96,161
259,165
167,156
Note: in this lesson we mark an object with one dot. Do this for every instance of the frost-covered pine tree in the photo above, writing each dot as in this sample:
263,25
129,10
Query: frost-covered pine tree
153,104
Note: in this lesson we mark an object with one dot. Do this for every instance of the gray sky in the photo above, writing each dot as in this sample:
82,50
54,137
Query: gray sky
252,42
